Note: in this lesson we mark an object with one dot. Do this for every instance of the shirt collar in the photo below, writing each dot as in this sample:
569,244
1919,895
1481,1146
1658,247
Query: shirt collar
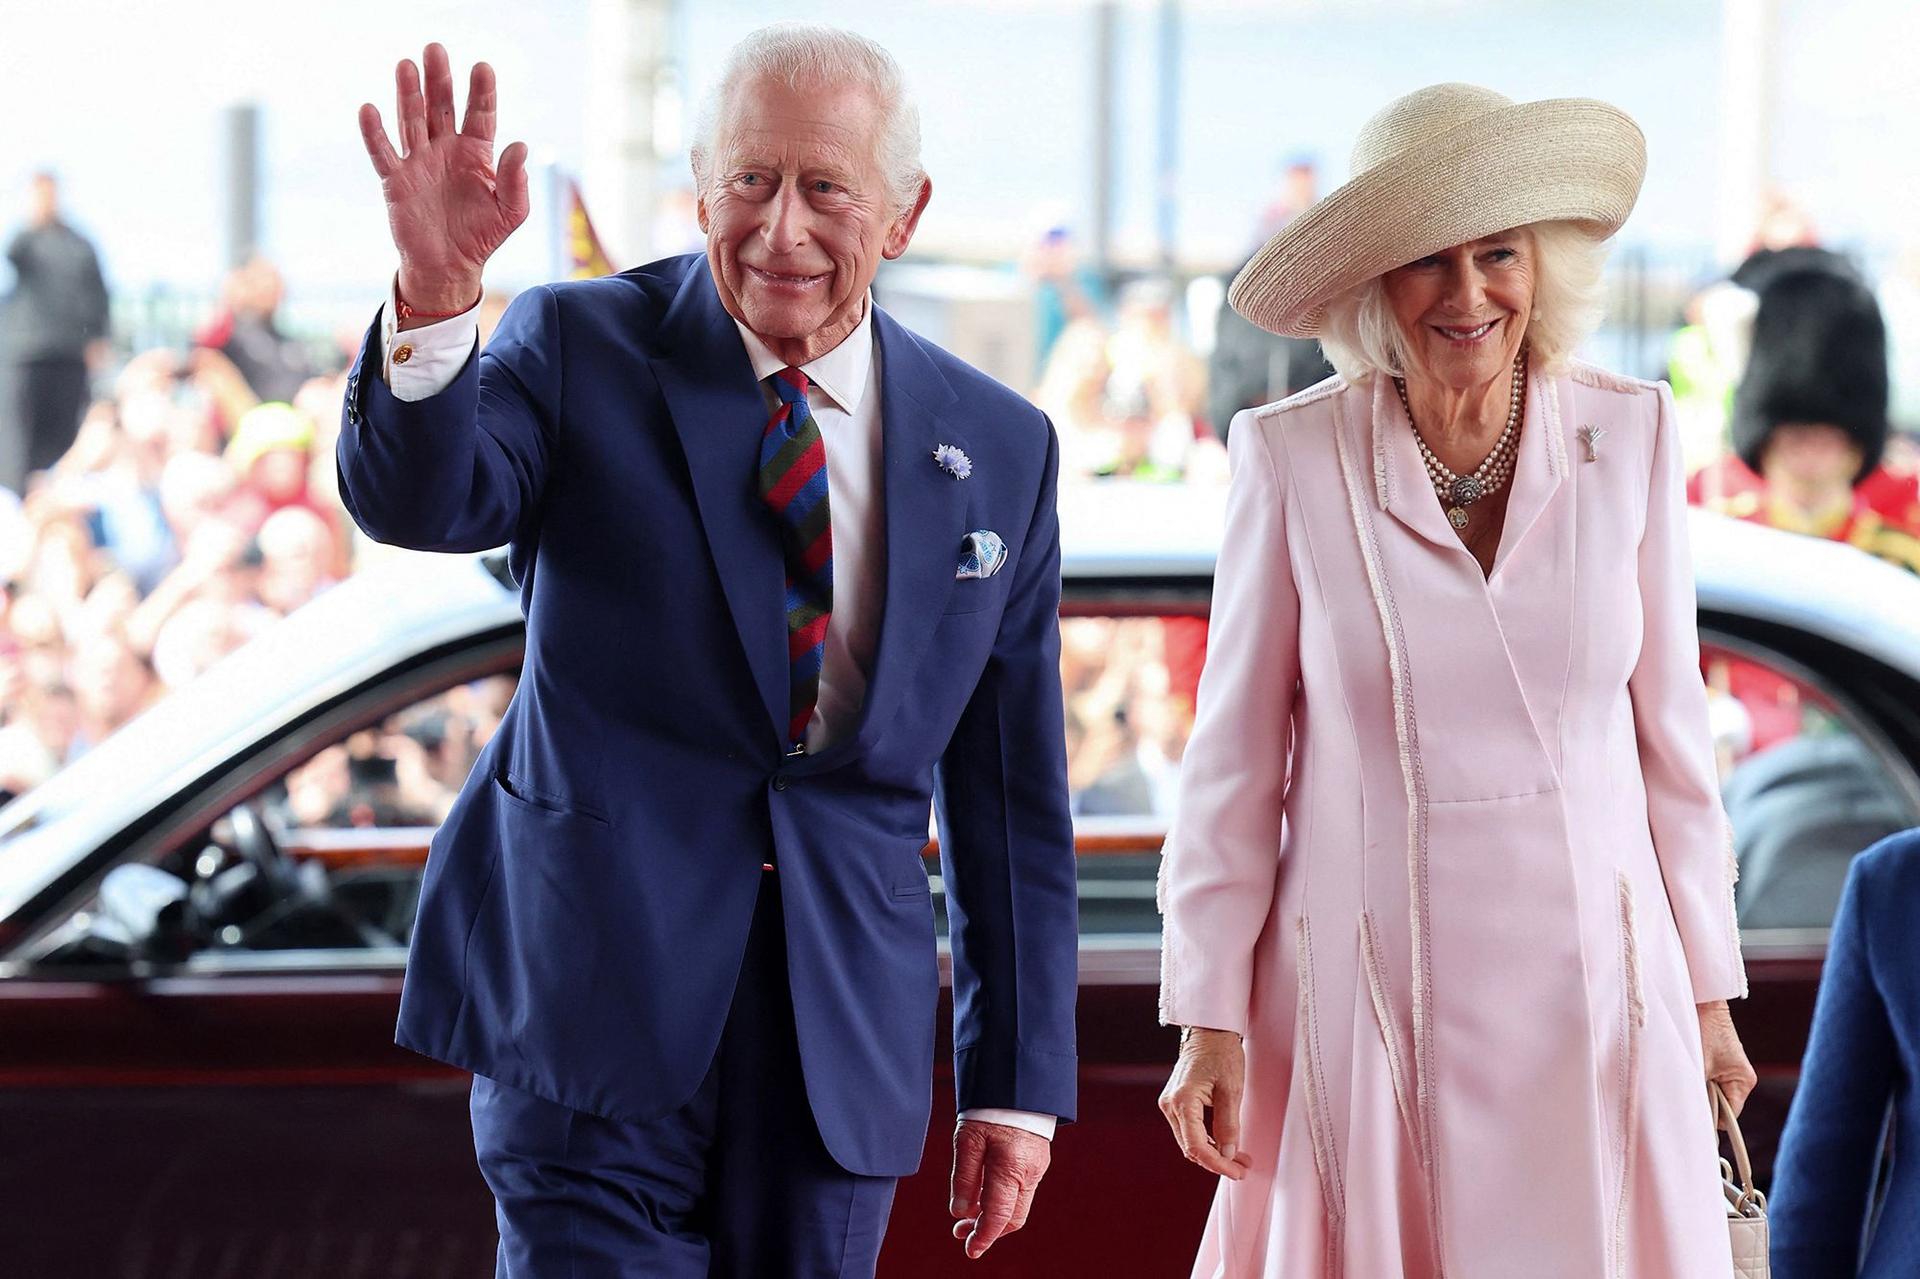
841,373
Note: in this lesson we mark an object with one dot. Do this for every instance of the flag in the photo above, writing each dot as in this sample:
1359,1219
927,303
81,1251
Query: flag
585,256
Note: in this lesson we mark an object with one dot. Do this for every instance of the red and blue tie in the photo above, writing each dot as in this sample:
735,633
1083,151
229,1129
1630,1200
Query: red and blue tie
793,481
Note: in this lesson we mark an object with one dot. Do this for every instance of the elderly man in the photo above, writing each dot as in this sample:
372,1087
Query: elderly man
790,573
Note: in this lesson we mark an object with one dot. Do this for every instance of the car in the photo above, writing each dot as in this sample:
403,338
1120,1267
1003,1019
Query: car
204,920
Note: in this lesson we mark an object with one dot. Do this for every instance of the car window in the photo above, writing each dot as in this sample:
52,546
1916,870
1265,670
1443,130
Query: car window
1129,685
404,771
1806,783
327,857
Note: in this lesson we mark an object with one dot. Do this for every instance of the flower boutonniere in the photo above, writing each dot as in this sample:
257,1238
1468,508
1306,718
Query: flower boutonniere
953,461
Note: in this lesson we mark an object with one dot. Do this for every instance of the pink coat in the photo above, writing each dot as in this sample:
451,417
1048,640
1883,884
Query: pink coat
1450,854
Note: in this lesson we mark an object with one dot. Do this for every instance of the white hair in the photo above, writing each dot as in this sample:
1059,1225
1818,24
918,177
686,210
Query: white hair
1361,337
804,55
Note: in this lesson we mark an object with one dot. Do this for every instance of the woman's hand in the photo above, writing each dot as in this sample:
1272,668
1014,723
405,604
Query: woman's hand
1210,1075
1726,1060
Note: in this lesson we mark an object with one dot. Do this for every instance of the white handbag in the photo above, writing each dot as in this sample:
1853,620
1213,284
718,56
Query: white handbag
1746,1206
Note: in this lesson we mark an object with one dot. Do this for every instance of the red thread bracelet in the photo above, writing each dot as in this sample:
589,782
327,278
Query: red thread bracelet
408,313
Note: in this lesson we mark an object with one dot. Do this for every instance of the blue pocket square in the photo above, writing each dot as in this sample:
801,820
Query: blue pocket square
982,555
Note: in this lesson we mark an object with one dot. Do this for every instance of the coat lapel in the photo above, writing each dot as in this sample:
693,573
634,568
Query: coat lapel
1538,468
719,413
1400,476
925,521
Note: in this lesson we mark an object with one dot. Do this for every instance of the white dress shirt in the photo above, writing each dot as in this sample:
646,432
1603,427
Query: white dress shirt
845,399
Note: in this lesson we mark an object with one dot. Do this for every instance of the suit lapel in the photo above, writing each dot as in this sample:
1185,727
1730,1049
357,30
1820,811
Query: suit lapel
925,522
720,416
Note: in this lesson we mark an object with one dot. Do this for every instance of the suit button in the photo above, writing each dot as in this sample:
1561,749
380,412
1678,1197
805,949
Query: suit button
403,353
782,781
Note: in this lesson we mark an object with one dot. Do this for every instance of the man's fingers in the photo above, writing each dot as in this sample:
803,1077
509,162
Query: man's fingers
969,1163
439,91
374,135
998,1200
411,107
482,103
510,182
1022,1206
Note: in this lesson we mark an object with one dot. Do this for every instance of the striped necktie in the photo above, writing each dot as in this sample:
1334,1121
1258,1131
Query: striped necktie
793,482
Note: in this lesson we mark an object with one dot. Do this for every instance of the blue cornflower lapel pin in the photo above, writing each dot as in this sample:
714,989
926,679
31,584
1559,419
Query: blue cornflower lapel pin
953,461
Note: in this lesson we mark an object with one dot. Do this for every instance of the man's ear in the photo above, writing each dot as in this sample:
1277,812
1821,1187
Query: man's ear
900,234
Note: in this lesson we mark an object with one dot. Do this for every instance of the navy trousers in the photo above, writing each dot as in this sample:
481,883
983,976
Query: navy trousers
736,1184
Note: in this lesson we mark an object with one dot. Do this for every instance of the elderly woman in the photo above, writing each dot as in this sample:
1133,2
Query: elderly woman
1449,913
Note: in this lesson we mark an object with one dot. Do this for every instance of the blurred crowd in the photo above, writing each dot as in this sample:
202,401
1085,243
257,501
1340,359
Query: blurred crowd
156,515
188,504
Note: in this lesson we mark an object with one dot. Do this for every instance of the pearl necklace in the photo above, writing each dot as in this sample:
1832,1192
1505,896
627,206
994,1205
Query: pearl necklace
1461,491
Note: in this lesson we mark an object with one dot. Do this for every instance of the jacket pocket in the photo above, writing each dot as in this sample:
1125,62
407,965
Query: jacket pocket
532,799
974,594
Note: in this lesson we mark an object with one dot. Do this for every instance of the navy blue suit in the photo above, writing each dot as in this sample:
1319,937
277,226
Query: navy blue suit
1863,1056
588,901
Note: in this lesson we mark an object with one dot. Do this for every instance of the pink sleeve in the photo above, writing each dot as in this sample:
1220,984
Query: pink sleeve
1222,854
1690,833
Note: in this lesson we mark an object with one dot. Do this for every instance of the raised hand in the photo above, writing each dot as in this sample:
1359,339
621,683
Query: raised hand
448,207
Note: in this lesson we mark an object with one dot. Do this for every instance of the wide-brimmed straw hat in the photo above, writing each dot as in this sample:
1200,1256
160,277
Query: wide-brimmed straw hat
1442,166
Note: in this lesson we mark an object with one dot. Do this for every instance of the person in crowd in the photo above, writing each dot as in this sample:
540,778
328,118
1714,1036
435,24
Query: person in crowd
271,455
1249,366
1066,290
1448,895
1846,1184
247,332
296,558
716,441
111,684
1810,424
53,332
1155,388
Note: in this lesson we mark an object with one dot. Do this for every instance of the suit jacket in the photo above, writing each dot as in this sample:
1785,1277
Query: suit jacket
1450,851
586,902
1863,1056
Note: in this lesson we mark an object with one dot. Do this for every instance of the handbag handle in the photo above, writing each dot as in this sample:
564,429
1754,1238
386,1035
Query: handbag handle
1726,1121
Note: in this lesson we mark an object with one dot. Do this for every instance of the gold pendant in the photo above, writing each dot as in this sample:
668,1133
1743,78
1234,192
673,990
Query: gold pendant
1457,516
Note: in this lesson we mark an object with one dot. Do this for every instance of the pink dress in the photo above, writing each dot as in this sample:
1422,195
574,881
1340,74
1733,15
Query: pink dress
1450,854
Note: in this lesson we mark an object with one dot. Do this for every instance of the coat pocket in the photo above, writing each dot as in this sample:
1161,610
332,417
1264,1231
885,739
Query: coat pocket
1380,992
1326,1150
532,799
1633,1016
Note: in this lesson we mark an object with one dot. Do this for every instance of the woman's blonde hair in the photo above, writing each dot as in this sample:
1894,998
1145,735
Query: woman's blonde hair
1361,337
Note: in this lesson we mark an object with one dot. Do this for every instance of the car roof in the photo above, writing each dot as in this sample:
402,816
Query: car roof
409,604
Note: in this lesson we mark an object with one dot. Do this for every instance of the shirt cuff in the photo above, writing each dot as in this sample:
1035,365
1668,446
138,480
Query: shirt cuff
1027,1120
433,355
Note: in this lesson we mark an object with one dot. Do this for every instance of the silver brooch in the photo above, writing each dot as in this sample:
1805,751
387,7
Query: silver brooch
953,461
1591,437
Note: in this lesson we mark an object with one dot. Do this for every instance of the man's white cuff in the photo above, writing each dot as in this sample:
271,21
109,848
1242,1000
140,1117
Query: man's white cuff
1039,1125
420,363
